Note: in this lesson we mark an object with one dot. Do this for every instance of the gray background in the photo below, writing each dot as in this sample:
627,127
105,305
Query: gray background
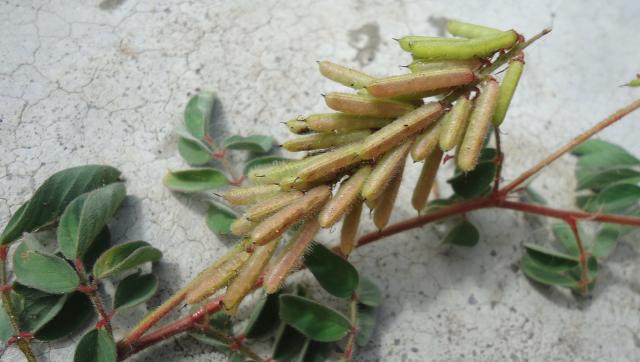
106,82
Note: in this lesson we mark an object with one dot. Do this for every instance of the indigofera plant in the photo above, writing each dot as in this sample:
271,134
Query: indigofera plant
453,97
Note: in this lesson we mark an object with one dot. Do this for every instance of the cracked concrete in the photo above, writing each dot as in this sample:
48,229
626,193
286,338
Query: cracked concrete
106,81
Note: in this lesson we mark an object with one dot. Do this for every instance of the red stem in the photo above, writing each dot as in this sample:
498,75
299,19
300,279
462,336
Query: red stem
568,215
169,330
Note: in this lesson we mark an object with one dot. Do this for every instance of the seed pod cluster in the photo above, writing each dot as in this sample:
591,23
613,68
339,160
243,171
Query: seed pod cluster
359,152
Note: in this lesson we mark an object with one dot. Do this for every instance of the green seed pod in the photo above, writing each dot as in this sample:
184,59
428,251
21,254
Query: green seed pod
349,229
249,195
217,277
270,206
342,122
399,130
324,140
347,195
366,105
248,276
479,122
272,174
384,171
468,30
291,256
242,226
427,141
507,89
426,180
406,42
468,49
415,99
330,163
423,65
343,75
276,224
415,83
384,207
297,126
454,124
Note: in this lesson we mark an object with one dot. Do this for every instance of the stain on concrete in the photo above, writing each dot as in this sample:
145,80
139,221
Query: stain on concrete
366,41
110,4
440,23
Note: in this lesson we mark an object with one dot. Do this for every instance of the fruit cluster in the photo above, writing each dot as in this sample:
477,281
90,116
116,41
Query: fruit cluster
449,100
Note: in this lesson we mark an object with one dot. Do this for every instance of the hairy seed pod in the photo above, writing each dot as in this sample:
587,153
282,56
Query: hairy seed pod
343,75
249,195
324,140
342,122
384,171
382,212
468,30
468,49
507,89
423,65
270,206
479,122
414,83
349,230
454,123
347,195
276,224
216,277
290,257
242,227
406,42
248,276
426,180
331,162
272,174
415,99
399,130
362,105
427,141
297,126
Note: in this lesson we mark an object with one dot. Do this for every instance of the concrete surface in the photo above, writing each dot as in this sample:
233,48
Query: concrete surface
106,82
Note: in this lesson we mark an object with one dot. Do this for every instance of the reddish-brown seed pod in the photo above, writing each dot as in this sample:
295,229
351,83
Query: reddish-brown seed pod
276,224
218,275
427,141
426,179
382,212
414,83
362,105
347,195
479,122
342,122
330,162
454,124
248,276
324,140
249,195
400,129
343,75
384,171
290,257
349,230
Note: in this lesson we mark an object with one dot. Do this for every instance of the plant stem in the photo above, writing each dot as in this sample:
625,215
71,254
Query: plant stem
230,342
92,292
618,115
169,330
348,350
499,160
151,319
7,304
226,165
584,275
